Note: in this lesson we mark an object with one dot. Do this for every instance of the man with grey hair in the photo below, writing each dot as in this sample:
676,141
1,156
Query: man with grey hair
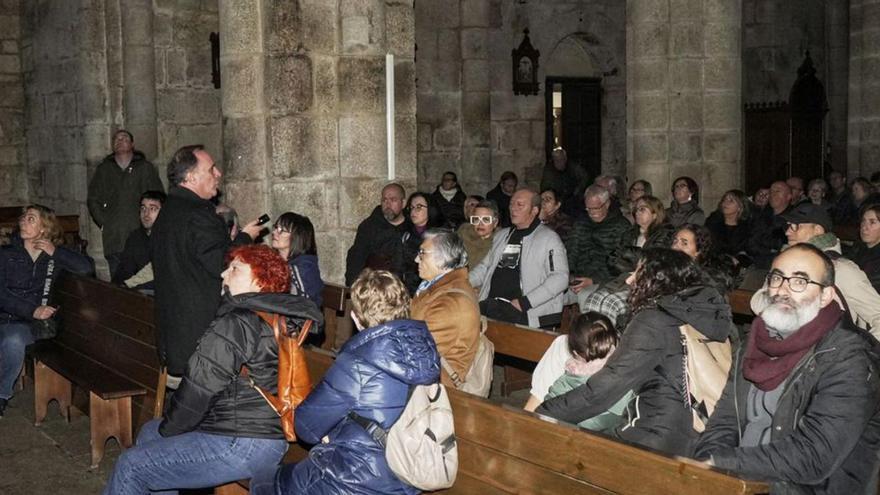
523,277
446,302
592,240
800,409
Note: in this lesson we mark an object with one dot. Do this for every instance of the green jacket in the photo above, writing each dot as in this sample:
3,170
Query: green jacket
115,195
590,244
606,421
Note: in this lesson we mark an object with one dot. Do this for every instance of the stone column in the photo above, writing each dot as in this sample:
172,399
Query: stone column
242,69
13,165
684,92
836,78
139,74
863,153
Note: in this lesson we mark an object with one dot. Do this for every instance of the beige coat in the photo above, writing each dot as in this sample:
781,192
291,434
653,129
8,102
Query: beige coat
450,309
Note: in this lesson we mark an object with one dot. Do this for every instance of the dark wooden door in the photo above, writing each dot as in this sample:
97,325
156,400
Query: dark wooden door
581,129
767,137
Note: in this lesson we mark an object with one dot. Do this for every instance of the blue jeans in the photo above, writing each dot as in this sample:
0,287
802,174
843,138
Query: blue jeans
14,337
159,464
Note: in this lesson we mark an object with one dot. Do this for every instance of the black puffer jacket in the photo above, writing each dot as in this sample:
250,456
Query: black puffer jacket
868,260
625,258
657,417
826,430
453,210
213,397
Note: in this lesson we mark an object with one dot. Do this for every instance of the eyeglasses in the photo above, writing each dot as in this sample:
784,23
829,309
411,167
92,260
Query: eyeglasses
642,209
598,208
793,226
423,252
281,229
484,219
796,283
417,207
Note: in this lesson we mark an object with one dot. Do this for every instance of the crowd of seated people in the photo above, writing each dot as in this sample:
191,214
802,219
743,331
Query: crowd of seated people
423,270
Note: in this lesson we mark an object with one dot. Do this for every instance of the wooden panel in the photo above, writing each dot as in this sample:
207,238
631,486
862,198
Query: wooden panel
129,358
739,302
334,296
519,341
108,297
87,373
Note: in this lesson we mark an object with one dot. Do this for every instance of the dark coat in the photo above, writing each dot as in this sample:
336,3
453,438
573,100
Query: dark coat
768,237
371,376
305,278
134,257
213,396
115,196
590,245
626,256
658,417
22,279
679,214
503,202
825,433
188,247
452,211
561,223
729,240
377,244
868,260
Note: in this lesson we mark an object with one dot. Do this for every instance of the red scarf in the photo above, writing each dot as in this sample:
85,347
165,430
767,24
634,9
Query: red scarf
769,361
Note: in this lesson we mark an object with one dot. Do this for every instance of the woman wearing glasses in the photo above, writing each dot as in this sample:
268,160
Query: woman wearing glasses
293,236
423,214
477,234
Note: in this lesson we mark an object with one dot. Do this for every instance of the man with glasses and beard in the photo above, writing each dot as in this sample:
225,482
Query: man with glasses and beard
800,409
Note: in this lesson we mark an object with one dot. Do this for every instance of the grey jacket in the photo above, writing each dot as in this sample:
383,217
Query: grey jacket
543,270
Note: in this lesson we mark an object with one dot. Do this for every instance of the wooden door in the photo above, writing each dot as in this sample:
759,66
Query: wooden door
581,121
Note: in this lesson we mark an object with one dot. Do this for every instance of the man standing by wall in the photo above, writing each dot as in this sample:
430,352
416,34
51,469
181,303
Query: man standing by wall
187,247
378,243
115,191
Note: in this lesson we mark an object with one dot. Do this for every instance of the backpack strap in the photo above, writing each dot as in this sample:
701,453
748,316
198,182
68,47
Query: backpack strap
379,434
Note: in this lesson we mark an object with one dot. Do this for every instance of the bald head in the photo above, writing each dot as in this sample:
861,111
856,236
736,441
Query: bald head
525,205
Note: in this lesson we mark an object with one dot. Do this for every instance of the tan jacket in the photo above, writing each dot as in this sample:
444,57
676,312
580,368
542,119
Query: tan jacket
450,309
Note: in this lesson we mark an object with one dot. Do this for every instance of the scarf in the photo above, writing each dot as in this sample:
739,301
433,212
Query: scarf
768,361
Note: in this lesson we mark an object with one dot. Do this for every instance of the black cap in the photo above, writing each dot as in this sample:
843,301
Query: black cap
808,212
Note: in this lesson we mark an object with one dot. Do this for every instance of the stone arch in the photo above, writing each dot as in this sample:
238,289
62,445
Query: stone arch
583,54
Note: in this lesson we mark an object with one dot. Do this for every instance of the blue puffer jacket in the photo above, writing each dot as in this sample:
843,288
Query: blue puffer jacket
371,376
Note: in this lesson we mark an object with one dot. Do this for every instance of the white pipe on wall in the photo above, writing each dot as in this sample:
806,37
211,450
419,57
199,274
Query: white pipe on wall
389,113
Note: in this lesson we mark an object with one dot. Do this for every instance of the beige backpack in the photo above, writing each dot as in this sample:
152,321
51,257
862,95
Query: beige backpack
479,377
707,365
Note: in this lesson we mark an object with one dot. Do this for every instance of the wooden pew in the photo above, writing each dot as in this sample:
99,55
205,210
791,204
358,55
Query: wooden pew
105,348
505,451
336,306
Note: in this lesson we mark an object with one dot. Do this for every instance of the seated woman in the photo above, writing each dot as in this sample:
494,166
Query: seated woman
552,215
424,215
478,233
294,237
685,206
666,294
866,252
371,377
729,226
34,255
216,410
637,190
719,270
446,301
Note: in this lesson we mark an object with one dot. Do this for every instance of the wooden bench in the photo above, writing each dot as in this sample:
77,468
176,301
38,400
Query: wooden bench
336,305
105,348
505,451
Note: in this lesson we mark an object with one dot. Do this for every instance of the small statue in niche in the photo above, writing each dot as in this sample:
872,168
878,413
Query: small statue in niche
525,67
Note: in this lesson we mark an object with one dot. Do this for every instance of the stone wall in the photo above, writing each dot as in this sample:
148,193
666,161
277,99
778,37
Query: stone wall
864,88
469,120
13,165
304,111
187,104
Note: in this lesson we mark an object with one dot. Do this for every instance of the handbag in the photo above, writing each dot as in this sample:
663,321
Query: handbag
48,328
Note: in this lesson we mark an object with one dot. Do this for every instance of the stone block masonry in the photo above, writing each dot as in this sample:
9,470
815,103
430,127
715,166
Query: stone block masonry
13,164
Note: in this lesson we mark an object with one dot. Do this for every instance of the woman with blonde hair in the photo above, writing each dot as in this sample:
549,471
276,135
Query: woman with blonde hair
369,382
28,266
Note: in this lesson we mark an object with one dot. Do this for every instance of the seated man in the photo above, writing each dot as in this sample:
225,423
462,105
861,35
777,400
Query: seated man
592,241
800,409
445,301
526,271
811,224
133,268
378,243
768,226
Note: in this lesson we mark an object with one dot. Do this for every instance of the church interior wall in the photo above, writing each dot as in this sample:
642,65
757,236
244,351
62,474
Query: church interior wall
13,165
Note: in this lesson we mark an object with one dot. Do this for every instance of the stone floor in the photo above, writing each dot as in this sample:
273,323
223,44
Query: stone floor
54,459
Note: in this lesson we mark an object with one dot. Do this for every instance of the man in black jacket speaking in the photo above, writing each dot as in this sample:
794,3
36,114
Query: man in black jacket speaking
187,248
800,409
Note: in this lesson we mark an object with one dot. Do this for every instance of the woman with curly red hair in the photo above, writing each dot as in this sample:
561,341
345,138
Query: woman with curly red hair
218,428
